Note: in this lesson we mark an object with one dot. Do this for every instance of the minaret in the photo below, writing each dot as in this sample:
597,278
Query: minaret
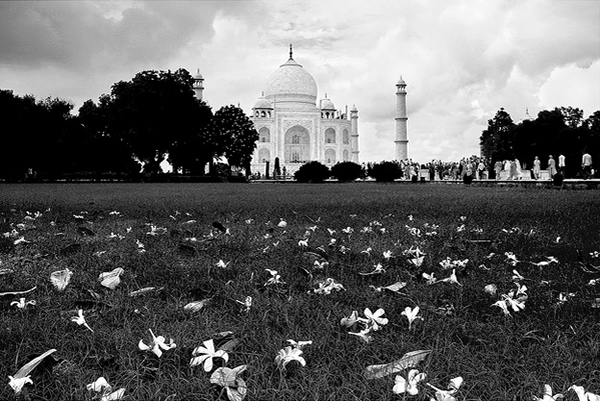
401,119
198,84
354,129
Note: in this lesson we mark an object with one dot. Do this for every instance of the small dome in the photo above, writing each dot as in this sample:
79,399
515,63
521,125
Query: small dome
262,103
401,81
197,75
327,104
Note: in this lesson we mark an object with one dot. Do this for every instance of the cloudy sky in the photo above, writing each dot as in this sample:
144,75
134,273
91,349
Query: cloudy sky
462,60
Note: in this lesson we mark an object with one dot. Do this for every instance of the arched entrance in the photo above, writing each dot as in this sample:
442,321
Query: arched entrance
297,145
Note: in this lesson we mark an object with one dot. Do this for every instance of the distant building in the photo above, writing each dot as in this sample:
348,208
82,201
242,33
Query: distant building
294,128
401,122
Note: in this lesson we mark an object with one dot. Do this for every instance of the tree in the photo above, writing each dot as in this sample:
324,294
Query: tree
233,136
154,113
496,140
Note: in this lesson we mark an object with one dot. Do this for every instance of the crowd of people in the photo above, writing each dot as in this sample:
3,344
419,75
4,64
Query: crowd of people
478,168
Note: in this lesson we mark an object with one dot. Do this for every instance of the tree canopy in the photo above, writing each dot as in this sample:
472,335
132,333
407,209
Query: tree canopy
562,130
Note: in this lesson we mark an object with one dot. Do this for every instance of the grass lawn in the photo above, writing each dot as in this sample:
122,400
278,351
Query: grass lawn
513,247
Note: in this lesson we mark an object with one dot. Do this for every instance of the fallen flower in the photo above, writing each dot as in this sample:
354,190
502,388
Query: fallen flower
275,278
102,386
491,289
584,395
430,278
548,395
363,335
392,287
351,320
80,320
408,385
22,377
222,264
378,270
246,303
21,304
325,287
411,315
228,378
287,355
299,344
448,395
156,345
209,354
375,319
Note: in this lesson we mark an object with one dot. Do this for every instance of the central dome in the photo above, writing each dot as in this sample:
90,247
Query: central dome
292,84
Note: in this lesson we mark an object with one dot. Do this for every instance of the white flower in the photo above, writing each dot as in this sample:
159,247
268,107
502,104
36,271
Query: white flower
287,355
303,243
141,247
491,289
548,395
511,258
21,304
452,279
222,264
17,384
387,254
409,385
325,287
378,270
247,303
363,335
430,278
209,353
447,395
80,320
299,344
411,315
275,278
282,224
351,320
584,395
348,230
228,378
157,344
102,386
517,276
375,319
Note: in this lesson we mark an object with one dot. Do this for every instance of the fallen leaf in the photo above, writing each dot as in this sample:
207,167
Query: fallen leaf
409,360
196,305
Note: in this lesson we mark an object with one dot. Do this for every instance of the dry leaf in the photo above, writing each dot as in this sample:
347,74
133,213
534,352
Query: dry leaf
409,360
143,291
60,279
17,292
111,279
196,305
29,366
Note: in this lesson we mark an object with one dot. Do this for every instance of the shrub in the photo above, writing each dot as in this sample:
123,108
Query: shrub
312,172
347,171
386,171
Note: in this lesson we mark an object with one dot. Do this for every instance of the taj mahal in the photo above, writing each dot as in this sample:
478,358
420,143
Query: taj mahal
295,129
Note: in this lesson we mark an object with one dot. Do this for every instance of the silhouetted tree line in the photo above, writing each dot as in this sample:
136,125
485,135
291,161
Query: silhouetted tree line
554,132
129,132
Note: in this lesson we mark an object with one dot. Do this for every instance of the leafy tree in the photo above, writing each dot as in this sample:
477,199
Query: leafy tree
232,135
347,171
152,112
312,172
386,171
497,140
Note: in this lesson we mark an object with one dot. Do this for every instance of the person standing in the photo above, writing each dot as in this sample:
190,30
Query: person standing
551,167
561,164
586,165
536,168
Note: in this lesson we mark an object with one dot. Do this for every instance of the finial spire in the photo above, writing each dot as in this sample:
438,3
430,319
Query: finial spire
291,52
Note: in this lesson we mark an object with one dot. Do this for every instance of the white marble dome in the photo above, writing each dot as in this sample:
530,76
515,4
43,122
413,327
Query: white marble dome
262,103
291,83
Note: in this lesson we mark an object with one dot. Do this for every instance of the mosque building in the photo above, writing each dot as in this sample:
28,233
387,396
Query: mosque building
295,129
